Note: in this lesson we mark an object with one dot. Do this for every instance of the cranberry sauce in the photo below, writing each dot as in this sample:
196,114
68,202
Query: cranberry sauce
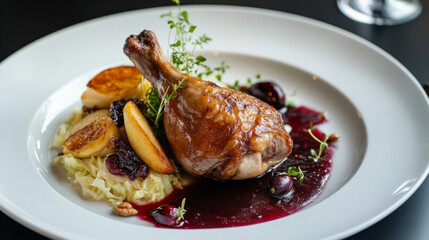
126,162
214,204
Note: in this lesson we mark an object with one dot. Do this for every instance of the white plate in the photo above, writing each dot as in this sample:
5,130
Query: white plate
373,102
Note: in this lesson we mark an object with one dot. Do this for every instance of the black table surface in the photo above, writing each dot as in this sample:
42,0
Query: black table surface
24,22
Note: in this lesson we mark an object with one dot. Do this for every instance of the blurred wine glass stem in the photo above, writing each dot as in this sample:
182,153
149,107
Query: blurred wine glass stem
380,12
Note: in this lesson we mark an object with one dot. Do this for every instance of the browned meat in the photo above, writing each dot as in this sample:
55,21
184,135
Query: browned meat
213,131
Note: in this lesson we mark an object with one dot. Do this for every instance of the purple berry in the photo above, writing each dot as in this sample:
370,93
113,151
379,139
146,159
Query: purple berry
169,215
165,215
280,185
269,92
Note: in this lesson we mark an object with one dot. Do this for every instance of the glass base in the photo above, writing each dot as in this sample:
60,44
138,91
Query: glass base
380,12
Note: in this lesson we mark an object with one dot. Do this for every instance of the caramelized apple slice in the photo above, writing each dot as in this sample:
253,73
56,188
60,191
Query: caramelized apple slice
111,85
143,140
89,119
94,139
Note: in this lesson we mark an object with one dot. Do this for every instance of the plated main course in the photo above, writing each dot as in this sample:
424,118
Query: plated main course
158,142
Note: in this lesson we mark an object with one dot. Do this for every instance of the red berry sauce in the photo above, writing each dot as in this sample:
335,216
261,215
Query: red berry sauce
214,204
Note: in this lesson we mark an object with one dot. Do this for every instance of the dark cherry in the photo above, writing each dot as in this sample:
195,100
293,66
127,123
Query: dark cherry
280,185
269,92
166,215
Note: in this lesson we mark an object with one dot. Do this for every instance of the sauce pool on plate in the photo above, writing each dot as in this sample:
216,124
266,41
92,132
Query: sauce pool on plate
216,204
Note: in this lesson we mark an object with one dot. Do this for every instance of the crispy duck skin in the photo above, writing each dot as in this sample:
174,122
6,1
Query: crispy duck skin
214,132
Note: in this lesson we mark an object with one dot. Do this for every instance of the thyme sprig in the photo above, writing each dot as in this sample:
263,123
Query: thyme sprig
316,156
156,105
183,46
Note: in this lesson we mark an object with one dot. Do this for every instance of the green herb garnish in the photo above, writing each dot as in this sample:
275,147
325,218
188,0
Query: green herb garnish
156,105
180,37
316,156
296,172
180,41
235,86
181,212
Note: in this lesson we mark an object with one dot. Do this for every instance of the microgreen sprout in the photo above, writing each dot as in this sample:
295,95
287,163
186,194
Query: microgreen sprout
181,212
296,172
316,156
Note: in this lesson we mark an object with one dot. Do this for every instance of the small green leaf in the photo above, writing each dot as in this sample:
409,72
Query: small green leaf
169,14
184,14
176,2
200,59
291,104
236,85
192,28
177,44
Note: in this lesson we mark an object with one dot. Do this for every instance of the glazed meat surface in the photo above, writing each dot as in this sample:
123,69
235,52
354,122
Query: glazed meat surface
214,132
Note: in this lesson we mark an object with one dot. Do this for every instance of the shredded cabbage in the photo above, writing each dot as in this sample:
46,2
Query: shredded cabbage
96,182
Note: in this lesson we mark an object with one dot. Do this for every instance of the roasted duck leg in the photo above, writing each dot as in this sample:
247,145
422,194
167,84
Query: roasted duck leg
214,132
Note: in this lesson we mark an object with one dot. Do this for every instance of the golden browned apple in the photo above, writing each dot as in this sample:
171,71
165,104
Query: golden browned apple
89,119
143,140
95,139
112,85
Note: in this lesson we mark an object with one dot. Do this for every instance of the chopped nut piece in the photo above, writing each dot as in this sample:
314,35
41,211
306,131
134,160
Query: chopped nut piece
333,137
125,209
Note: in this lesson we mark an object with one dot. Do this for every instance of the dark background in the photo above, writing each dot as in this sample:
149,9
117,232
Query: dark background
22,22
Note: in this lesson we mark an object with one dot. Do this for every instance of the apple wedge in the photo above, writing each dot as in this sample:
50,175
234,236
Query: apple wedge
143,140
111,85
89,119
95,139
